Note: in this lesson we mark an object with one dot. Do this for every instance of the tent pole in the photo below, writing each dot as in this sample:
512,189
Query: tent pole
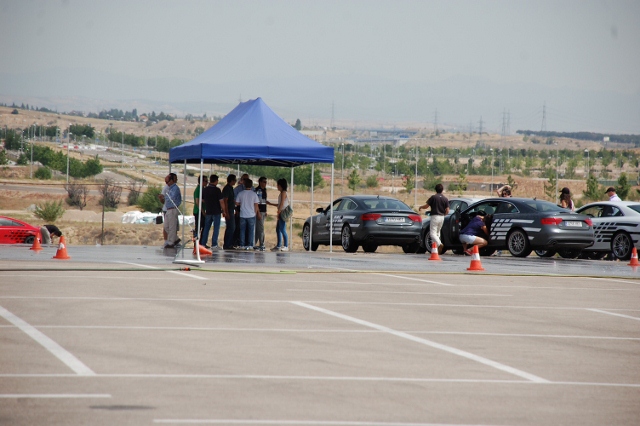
311,210
331,216
291,218
184,170
200,225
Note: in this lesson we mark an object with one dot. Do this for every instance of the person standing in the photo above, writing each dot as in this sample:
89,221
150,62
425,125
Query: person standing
236,191
281,225
161,196
248,202
504,191
611,192
261,192
213,203
172,201
565,199
197,214
439,205
229,206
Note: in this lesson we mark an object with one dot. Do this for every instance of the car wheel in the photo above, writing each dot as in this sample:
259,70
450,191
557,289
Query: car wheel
306,237
518,243
621,246
411,248
348,244
29,239
486,251
370,248
569,254
545,253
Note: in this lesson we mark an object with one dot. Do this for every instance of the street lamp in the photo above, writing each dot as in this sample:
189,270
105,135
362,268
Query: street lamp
68,144
34,136
491,189
557,155
342,174
587,171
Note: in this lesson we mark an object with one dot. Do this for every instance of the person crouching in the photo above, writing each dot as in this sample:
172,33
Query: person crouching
475,233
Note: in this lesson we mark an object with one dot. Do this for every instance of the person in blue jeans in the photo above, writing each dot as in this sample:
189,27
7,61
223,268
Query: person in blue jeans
281,225
248,202
229,206
213,204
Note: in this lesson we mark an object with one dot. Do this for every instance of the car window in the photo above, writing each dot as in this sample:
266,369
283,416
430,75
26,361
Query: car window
385,203
611,211
543,206
336,205
347,204
457,203
506,207
635,207
592,211
489,207
8,222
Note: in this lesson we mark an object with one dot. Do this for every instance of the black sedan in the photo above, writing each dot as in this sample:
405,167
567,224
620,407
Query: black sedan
520,225
364,220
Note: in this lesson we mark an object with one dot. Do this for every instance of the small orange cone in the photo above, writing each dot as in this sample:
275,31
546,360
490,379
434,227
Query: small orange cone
634,258
476,265
202,249
434,252
36,244
62,250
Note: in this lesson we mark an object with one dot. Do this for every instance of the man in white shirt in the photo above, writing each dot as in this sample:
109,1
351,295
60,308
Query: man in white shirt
611,192
248,202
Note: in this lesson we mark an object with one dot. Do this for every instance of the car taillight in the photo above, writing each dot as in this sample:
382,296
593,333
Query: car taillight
415,218
551,221
588,222
371,216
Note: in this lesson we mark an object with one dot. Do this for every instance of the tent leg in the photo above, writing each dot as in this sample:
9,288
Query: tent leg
311,211
291,218
331,216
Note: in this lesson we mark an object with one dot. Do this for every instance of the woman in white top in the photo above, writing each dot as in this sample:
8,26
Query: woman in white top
281,226
565,199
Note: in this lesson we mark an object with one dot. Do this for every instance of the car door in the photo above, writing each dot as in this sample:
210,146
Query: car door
604,226
322,221
489,207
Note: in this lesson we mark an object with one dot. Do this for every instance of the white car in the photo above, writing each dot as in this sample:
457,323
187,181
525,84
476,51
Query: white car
616,226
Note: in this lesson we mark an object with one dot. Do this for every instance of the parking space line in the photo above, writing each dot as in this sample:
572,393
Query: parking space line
396,292
614,280
614,314
182,274
58,351
414,279
296,422
430,343
55,395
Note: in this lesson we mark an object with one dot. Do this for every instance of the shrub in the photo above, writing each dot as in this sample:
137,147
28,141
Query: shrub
149,201
43,173
50,211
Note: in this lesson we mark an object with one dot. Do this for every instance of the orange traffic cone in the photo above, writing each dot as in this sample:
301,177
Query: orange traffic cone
634,258
476,265
36,243
434,252
62,250
201,249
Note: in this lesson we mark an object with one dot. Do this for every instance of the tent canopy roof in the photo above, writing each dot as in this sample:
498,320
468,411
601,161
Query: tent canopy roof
252,134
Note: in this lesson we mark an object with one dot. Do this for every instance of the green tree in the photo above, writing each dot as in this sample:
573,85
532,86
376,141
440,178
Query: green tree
409,183
43,173
372,182
429,181
149,201
50,211
594,191
354,180
623,187
3,157
298,125
550,187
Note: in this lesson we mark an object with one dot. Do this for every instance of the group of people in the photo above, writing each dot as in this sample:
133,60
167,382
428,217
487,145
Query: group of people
476,232
244,209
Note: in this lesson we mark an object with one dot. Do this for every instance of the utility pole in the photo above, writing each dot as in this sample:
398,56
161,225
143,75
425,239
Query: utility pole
435,122
333,111
543,128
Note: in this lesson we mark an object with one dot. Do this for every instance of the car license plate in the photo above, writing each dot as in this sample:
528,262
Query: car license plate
574,224
394,219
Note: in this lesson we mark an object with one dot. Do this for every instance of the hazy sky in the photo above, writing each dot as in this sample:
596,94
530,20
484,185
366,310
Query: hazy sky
217,51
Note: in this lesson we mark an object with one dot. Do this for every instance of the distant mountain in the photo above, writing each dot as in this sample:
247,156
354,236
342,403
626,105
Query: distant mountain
459,100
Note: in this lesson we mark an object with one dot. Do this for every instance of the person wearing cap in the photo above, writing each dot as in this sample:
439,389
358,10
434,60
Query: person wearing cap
565,199
611,192
475,233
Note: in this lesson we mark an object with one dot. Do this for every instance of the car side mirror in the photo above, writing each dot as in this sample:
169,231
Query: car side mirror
319,210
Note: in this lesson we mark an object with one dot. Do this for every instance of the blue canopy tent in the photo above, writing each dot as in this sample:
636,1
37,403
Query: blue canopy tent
253,134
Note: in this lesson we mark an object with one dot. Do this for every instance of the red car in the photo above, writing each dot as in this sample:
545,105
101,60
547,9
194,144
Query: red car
14,231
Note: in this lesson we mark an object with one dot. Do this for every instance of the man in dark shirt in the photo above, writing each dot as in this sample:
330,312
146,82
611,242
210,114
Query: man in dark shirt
49,231
229,205
213,204
439,205
261,191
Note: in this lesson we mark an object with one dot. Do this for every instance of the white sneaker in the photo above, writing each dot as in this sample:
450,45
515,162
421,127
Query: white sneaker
284,248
